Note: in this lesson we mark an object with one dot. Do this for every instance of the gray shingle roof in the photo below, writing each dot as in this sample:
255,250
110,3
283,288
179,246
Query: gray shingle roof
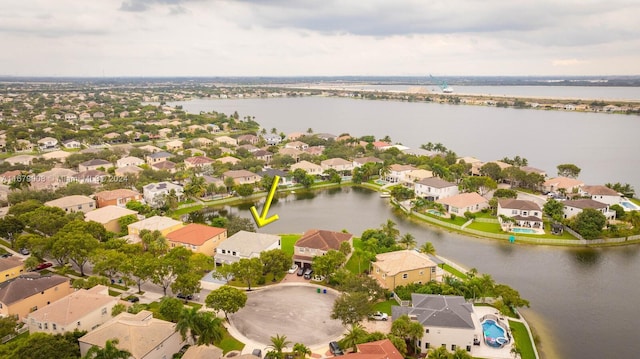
438,311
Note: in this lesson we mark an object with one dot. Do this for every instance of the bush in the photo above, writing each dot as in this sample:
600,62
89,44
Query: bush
469,216
453,216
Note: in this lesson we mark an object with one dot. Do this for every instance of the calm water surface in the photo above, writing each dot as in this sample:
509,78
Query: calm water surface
582,301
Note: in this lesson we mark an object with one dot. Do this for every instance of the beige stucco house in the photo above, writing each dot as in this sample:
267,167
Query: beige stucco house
75,203
397,268
199,238
30,291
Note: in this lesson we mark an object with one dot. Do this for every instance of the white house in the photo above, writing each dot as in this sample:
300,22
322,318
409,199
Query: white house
601,194
434,188
338,164
47,144
154,193
525,213
310,168
129,161
245,245
464,202
397,173
71,144
272,139
573,207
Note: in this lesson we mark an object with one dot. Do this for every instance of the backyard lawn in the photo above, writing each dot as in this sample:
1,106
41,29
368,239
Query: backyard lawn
287,242
523,341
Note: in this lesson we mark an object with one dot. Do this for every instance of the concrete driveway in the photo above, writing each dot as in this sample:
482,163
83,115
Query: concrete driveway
297,311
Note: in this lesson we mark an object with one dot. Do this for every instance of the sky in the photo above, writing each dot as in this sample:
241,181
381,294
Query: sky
108,38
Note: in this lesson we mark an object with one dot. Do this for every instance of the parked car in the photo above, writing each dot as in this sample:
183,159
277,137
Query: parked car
379,316
132,299
185,297
300,271
307,273
183,350
257,352
335,349
44,265
6,254
293,269
24,251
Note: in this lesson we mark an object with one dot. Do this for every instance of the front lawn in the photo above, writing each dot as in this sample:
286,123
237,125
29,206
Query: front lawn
357,264
454,271
287,241
523,341
229,343
385,307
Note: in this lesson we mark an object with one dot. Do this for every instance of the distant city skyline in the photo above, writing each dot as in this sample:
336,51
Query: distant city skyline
206,38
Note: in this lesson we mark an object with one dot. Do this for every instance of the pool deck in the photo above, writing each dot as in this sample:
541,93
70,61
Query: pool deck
483,350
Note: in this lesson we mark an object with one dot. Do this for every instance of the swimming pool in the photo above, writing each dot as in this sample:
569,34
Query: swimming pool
524,230
435,212
494,335
629,206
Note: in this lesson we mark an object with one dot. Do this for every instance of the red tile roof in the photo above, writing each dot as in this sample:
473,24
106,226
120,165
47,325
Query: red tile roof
194,234
323,240
381,349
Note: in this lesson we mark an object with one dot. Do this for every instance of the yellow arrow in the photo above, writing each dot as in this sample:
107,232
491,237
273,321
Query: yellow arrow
262,220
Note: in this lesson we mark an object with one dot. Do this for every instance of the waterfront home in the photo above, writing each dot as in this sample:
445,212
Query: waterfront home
109,216
164,225
310,168
129,161
154,193
380,349
245,245
242,177
142,335
601,194
566,184
30,291
359,162
525,213
286,178
74,203
464,202
198,238
94,164
573,207
411,177
397,268
82,310
447,320
10,268
338,164
434,188
397,173
317,242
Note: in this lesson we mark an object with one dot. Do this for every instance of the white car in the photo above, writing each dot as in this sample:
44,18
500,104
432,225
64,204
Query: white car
379,316
293,269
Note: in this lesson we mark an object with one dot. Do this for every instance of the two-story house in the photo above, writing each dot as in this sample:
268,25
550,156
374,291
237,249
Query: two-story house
245,245
317,242
397,268
338,164
601,194
434,188
74,203
154,193
10,268
574,207
525,213
30,291
48,144
398,172
242,176
162,224
117,197
198,238
310,168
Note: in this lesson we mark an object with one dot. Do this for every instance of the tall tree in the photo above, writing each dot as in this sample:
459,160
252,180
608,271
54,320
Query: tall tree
404,327
407,240
351,308
589,223
226,298
568,170
428,248
245,270
10,228
355,335
275,261
278,344
110,351
327,264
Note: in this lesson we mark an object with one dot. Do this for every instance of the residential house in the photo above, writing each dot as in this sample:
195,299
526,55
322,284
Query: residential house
398,268
30,291
142,335
464,202
601,194
4,192
23,146
248,147
524,213
164,166
164,132
226,140
82,310
326,136
129,161
476,166
359,162
338,164
93,177
150,149
53,179
70,117
317,242
202,142
298,145
94,164
199,162
20,160
74,203
157,157
529,169
245,245
98,115
10,176
116,197
398,172
56,155
310,168
272,139
293,136
573,207
195,128
286,178
228,159
292,152
164,225
447,320
109,216
315,150
381,145
414,176
250,139
154,193
47,144
198,238
559,184
174,145
434,188
263,155
242,177
128,171
380,349
71,144
10,268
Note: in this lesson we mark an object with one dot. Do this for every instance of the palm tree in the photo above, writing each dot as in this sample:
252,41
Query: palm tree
209,328
301,350
428,248
517,353
278,344
187,323
460,353
355,335
438,353
390,230
110,351
408,240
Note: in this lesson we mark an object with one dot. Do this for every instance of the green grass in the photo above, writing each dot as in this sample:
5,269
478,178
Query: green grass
486,227
523,341
385,306
352,263
287,241
114,293
229,343
186,210
454,271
